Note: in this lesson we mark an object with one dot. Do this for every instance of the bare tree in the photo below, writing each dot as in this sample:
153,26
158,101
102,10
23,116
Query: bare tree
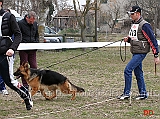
44,9
62,4
41,7
111,12
82,16
151,8
9,3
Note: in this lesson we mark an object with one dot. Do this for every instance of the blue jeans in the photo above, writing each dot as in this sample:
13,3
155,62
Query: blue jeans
135,65
2,85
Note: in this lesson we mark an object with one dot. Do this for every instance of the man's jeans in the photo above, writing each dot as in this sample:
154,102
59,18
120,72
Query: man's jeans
136,65
2,85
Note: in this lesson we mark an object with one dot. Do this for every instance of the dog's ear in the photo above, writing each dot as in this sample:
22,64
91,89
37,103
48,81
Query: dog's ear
23,63
26,65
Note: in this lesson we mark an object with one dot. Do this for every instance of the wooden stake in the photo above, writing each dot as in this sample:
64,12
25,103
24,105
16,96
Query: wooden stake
155,69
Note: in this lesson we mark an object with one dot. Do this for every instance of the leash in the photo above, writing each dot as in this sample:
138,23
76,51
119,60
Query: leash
124,51
82,54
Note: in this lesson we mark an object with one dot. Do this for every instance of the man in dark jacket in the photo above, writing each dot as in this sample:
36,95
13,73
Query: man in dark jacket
29,29
141,38
8,28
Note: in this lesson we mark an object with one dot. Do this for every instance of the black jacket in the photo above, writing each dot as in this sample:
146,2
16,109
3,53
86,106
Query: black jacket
10,27
29,31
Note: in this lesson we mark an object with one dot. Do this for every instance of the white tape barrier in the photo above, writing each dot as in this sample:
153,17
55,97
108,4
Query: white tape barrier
47,46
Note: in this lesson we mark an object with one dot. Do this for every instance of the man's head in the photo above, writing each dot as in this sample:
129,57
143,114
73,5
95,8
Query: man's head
1,2
135,12
30,17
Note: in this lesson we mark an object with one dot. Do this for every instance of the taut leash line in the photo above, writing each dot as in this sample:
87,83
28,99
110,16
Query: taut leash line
82,54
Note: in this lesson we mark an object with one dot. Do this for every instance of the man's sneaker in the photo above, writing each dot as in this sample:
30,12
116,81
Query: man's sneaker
141,97
29,103
5,92
123,97
30,99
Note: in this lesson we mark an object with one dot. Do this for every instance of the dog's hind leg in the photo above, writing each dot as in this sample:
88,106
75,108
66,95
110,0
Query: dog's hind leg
73,94
66,88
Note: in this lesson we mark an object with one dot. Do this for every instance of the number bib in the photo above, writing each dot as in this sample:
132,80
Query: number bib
133,32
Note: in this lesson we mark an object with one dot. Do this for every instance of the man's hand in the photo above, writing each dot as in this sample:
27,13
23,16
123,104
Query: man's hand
156,60
9,52
125,39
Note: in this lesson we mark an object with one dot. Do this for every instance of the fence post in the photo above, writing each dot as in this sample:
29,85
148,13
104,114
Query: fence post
64,37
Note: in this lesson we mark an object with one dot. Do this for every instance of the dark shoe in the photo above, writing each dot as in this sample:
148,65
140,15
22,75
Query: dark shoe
25,95
29,103
141,97
123,97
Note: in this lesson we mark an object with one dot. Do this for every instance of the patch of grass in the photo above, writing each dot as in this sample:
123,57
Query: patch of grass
100,73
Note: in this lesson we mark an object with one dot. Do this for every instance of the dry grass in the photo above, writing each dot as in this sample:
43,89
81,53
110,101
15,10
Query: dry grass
100,73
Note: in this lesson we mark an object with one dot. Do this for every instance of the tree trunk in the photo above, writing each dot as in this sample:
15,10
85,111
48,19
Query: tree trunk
83,34
42,18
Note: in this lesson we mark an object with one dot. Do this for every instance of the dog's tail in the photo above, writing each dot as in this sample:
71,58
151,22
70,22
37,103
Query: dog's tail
78,89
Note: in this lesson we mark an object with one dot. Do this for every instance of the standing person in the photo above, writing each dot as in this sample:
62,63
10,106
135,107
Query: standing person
8,28
29,29
141,38
3,89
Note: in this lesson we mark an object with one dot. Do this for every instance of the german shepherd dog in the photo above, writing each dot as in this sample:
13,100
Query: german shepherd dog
46,79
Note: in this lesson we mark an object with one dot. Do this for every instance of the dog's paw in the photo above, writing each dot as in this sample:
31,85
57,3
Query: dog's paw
47,99
73,98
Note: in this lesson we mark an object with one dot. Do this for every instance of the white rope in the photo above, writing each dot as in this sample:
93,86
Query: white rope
47,46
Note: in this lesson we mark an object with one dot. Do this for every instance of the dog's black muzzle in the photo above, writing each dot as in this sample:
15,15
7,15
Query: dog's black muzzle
17,74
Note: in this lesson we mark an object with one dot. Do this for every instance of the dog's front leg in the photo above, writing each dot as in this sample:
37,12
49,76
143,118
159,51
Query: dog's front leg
34,91
44,94
52,96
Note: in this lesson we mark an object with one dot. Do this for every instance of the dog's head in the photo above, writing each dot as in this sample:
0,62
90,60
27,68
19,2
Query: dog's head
22,70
